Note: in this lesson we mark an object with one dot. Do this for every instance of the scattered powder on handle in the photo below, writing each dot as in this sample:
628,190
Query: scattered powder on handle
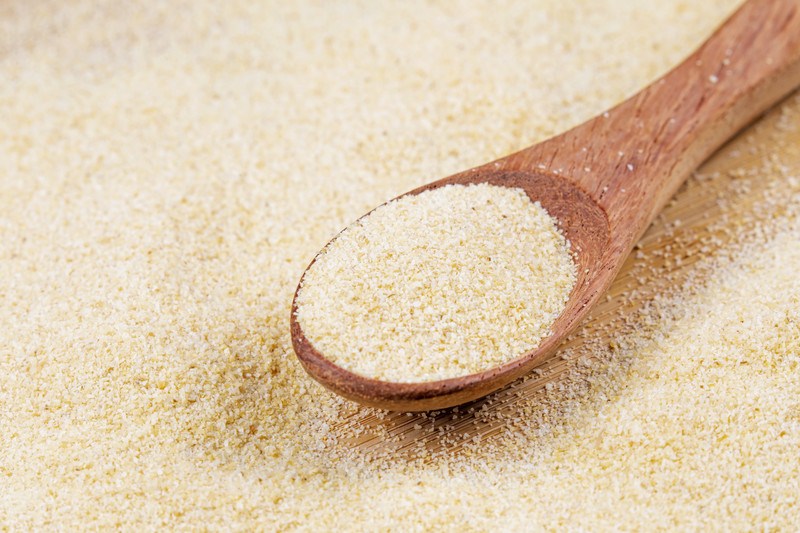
437,285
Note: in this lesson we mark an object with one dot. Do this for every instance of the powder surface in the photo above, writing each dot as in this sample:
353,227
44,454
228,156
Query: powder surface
438,285
168,168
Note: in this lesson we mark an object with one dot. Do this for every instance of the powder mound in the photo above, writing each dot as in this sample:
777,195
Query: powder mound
437,285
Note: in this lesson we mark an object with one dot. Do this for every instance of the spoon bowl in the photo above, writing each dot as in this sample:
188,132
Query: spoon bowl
582,222
605,180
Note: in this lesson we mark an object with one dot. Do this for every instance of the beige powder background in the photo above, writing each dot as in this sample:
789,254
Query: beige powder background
167,171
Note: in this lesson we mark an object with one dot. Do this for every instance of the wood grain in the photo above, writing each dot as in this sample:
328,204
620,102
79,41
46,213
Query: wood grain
605,181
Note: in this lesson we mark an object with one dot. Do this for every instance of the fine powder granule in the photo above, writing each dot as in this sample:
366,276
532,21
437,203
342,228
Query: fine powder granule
166,172
437,285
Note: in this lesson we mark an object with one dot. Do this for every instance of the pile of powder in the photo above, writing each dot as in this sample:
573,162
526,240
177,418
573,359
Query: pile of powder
437,285
166,171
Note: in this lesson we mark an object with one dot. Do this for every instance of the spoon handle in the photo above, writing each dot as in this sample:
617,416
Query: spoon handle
633,158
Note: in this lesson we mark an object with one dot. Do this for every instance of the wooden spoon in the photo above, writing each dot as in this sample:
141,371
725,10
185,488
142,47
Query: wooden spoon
605,181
